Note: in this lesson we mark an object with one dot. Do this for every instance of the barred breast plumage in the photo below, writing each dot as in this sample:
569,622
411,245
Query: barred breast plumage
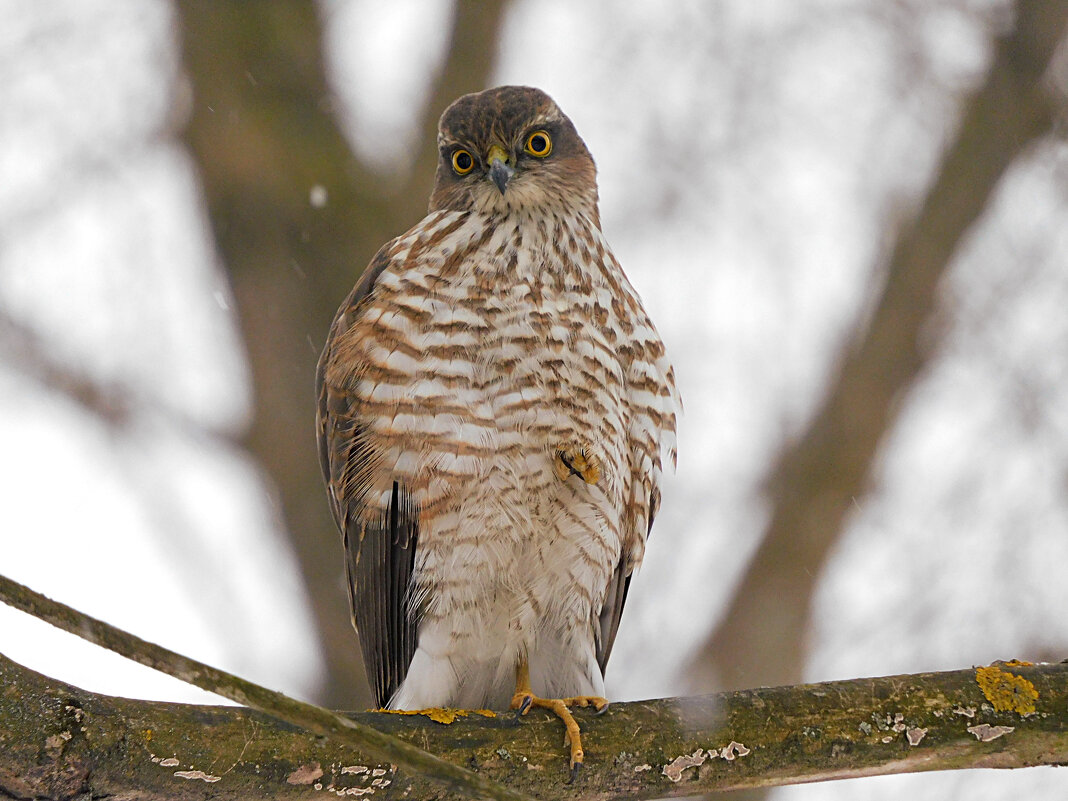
495,407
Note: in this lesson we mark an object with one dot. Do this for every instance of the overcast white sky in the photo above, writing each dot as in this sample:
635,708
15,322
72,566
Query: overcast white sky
752,157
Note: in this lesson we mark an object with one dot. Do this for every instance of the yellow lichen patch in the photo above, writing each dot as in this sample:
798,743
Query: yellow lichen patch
1008,693
1018,663
440,714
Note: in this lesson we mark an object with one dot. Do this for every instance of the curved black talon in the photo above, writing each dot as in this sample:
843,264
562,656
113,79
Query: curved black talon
602,710
568,465
523,707
574,772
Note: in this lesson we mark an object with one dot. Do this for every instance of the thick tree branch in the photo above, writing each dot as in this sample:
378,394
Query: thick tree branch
61,742
340,730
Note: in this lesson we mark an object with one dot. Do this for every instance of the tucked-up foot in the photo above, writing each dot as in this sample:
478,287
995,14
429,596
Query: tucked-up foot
577,459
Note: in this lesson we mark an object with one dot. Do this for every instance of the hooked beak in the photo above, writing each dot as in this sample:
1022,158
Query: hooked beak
499,171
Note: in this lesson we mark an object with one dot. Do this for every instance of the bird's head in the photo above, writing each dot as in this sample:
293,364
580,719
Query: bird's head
509,150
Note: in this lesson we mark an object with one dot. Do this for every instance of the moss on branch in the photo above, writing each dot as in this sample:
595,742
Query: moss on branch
58,741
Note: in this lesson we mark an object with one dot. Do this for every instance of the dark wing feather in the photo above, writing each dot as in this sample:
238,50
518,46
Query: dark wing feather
618,586
380,547
379,561
612,611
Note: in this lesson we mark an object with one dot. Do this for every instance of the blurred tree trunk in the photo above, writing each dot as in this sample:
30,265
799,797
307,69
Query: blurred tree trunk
263,133
818,479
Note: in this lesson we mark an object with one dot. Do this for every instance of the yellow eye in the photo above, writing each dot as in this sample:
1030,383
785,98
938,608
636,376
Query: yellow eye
462,162
539,144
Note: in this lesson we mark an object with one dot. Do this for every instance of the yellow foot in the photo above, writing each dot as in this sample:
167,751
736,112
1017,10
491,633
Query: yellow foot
577,460
523,700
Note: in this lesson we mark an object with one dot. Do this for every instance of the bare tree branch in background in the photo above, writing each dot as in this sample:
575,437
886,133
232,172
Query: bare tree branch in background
23,347
761,639
263,133
114,402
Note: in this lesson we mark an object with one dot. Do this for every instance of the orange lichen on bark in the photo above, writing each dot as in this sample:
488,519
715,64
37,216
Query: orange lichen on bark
1007,692
441,714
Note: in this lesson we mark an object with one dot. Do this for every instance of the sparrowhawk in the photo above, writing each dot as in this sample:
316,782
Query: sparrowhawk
495,407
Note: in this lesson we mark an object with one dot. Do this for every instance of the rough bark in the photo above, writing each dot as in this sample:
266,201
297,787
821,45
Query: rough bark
313,719
61,742
263,133
57,741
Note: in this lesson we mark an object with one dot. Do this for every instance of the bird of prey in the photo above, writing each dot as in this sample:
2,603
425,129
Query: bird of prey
495,407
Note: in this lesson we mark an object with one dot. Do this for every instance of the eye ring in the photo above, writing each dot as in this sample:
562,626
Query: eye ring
462,162
539,144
